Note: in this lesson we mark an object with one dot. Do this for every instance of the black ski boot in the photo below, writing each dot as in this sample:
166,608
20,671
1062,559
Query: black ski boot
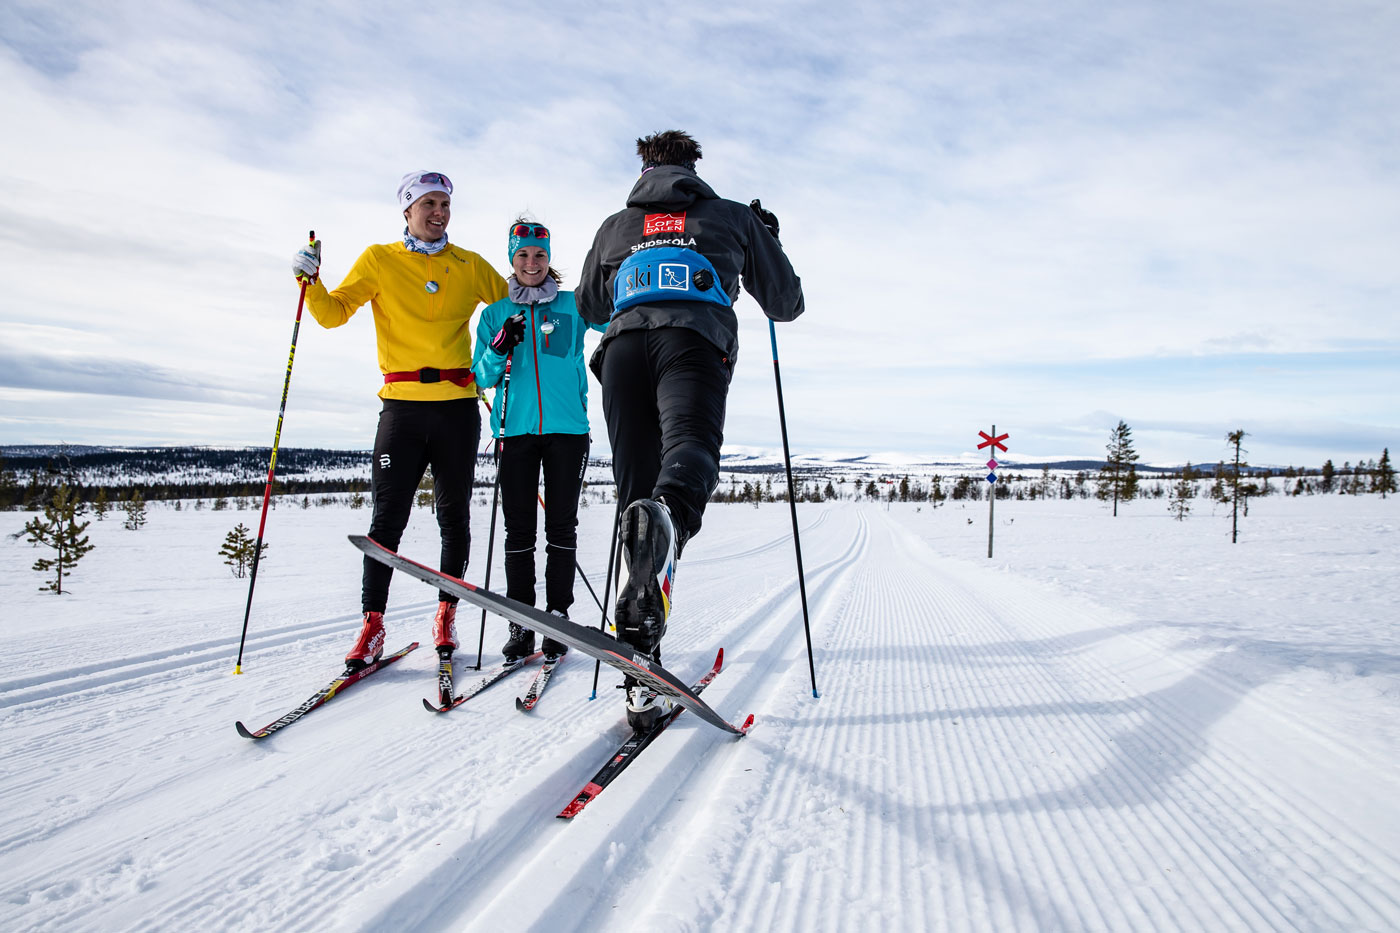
521,644
554,649
647,540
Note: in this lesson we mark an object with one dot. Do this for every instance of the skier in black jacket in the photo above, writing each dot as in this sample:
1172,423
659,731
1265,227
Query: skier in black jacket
664,274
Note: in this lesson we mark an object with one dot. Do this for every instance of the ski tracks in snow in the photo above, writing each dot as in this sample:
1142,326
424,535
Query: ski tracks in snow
987,753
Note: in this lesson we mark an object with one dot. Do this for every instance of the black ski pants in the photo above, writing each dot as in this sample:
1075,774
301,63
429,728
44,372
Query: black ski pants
664,393
562,458
413,436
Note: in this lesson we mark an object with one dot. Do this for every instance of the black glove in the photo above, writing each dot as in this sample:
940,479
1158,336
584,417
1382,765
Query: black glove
767,217
510,334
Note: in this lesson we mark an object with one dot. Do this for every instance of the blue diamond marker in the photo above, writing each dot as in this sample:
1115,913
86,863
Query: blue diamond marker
991,477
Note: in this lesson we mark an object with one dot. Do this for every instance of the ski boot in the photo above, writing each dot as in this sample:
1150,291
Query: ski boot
647,538
554,649
645,707
445,629
369,646
649,545
521,644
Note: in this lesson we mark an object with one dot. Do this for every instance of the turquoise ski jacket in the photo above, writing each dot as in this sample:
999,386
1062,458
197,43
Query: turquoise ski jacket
548,379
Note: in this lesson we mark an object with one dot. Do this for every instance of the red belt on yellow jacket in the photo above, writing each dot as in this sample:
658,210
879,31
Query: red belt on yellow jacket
462,377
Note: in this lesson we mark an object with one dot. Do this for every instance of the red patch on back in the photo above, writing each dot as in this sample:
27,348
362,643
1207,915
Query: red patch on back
664,223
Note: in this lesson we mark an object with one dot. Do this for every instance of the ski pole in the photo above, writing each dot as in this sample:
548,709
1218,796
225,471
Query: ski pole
607,586
495,499
792,502
271,468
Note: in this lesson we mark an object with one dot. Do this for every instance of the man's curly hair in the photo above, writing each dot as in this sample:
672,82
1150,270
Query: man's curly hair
669,147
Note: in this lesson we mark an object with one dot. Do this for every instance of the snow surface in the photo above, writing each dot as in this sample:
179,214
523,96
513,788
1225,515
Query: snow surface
1113,724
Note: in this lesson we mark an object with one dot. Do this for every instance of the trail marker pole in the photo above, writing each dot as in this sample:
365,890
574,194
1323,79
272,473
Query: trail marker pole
994,441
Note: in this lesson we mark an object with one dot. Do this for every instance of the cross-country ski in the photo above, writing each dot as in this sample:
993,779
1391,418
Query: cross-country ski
587,640
536,688
633,746
323,696
491,675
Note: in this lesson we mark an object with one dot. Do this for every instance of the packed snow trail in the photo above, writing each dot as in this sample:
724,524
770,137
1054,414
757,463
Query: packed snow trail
988,753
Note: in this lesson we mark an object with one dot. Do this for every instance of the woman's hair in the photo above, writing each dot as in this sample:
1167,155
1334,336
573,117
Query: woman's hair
554,273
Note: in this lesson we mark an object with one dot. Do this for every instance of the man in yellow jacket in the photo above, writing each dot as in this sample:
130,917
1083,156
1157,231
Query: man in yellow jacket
423,291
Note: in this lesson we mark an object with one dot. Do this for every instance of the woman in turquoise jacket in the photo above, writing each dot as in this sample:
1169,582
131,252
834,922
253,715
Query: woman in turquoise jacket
530,346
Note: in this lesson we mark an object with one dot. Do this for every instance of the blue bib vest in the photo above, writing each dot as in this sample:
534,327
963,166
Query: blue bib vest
666,273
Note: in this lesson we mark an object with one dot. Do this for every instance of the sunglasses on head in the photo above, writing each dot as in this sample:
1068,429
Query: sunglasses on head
436,178
538,231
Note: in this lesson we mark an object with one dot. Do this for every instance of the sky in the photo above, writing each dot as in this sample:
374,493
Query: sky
1047,218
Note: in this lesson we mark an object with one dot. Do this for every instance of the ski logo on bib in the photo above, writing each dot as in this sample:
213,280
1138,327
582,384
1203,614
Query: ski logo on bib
663,223
673,275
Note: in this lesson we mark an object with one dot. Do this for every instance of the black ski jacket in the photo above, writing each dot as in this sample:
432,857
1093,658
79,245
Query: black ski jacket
672,206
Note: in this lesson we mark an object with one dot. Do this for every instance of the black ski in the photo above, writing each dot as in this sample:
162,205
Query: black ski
493,674
590,641
631,748
324,695
532,696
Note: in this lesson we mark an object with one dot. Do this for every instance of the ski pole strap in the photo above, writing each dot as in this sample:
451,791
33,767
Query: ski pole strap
462,377
666,273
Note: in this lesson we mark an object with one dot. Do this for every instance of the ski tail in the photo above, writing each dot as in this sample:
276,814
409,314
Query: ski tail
532,696
635,744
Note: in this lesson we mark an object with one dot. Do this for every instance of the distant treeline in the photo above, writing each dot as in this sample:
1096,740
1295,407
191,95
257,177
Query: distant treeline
123,464
28,476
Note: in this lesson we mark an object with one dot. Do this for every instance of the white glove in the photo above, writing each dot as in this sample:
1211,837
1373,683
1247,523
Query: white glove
306,264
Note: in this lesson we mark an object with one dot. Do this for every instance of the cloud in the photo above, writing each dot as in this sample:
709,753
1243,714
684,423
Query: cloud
998,208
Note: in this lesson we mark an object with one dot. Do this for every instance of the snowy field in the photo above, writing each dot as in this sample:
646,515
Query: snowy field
1113,724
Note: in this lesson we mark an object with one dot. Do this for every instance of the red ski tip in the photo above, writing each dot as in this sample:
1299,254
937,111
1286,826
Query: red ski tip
748,724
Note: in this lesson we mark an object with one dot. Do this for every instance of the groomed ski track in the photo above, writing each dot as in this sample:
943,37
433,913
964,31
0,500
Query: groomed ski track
987,753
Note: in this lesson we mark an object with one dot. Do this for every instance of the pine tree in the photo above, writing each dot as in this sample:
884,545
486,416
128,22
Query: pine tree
59,529
100,505
1182,494
1118,478
1383,479
135,511
1329,473
238,550
1237,492
1354,485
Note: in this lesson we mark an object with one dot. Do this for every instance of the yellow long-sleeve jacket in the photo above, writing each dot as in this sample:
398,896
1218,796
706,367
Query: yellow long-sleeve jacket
414,326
